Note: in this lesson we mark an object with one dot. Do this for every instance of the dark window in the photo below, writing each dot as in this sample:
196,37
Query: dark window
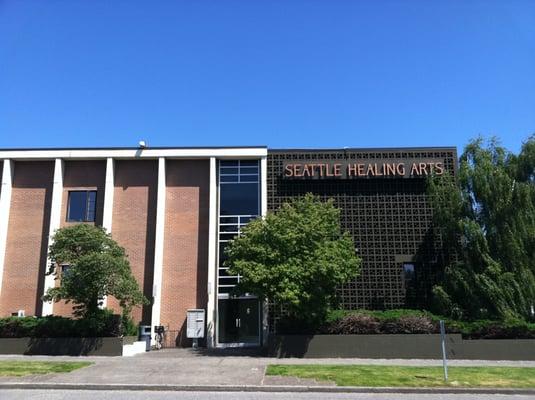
65,269
408,272
81,206
239,199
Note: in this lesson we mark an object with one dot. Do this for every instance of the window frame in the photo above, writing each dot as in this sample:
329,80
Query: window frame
86,209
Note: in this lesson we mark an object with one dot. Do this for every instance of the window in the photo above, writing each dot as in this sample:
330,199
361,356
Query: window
239,203
408,272
65,269
81,206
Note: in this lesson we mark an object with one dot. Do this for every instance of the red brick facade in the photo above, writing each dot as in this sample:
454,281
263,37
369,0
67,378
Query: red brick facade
185,261
134,223
27,238
80,175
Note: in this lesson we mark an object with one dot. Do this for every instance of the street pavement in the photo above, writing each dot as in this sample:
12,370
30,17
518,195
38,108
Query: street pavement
142,395
185,367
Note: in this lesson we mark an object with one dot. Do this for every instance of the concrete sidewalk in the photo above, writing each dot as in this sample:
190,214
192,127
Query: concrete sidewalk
184,367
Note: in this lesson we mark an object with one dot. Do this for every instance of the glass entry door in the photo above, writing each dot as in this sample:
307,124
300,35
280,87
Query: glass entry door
239,321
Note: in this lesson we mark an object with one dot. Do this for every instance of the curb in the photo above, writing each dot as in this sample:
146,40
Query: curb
254,388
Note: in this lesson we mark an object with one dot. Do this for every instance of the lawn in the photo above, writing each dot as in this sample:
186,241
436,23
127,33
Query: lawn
401,376
22,368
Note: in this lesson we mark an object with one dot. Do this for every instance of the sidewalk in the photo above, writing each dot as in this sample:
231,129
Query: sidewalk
175,368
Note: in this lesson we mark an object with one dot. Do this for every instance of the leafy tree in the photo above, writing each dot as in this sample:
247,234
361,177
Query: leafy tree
487,218
295,257
97,267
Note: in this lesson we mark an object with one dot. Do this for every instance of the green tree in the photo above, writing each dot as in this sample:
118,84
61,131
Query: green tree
97,267
487,218
295,257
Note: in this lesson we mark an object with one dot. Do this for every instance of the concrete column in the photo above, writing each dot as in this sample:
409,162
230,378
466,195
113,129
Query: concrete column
159,246
263,212
5,205
55,221
107,215
211,317
109,188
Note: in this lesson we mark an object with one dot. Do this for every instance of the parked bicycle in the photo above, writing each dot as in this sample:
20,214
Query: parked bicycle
159,336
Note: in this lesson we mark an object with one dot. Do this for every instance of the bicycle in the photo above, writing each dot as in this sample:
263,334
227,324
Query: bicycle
158,336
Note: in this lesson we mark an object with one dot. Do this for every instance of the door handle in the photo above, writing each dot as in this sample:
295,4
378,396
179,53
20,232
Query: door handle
237,323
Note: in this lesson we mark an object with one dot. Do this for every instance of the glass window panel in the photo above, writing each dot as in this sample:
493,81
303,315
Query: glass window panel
230,178
248,163
239,199
91,205
229,163
77,206
228,228
249,178
248,170
228,220
408,272
228,170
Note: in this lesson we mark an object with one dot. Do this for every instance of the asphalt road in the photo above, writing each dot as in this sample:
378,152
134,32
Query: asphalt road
142,395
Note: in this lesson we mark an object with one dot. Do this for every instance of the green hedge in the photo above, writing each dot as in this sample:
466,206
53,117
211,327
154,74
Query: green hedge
403,321
104,325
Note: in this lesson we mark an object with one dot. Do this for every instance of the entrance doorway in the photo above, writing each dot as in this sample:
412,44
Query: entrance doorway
239,322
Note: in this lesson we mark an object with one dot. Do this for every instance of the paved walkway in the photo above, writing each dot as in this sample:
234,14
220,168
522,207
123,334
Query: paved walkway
186,367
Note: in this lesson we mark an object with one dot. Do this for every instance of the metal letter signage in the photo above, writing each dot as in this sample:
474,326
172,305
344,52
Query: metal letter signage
355,169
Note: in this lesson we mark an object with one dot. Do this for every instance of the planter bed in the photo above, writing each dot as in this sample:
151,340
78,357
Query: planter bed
426,346
65,346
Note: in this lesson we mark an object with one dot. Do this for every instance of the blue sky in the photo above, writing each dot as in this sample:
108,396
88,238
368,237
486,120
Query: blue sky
282,73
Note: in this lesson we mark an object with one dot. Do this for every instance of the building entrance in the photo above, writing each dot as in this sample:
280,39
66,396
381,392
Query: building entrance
239,322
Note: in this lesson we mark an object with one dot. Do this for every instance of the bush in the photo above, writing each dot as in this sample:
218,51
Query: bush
341,322
355,324
409,324
104,324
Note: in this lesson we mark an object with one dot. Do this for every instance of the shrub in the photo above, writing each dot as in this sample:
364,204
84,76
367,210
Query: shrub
342,322
409,324
104,324
355,324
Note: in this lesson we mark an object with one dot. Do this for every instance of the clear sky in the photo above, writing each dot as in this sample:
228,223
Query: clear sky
281,73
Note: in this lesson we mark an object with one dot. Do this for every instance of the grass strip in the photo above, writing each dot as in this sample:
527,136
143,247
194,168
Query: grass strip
23,368
402,376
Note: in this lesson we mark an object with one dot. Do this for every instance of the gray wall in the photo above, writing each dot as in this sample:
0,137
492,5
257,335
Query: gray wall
108,346
399,346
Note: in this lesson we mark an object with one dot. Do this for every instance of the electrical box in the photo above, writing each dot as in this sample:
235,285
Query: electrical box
195,324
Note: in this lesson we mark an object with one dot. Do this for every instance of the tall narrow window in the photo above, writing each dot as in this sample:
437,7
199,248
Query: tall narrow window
82,205
239,203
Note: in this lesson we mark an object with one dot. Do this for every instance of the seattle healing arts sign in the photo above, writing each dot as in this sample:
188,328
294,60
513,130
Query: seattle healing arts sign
354,169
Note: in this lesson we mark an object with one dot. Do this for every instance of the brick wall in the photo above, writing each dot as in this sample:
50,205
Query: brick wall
185,261
81,175
134,223
27,238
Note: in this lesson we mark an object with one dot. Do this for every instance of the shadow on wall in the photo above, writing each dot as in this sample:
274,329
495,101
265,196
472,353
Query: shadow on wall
63,346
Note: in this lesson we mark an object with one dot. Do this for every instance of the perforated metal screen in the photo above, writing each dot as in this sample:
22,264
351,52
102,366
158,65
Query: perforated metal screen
389,219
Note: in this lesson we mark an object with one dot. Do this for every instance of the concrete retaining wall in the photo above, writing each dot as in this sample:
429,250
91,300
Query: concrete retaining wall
100,346
399,346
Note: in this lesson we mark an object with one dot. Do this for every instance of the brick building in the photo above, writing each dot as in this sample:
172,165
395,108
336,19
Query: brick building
173,210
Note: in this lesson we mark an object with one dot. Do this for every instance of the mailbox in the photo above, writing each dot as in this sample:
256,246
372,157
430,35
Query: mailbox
195,327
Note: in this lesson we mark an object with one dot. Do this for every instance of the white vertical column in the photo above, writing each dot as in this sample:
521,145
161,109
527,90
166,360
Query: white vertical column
212,259
158,246
263,211
55,221
107,214
109,188
5,205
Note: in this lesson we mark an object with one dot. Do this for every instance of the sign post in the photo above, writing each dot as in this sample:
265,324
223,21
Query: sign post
443,342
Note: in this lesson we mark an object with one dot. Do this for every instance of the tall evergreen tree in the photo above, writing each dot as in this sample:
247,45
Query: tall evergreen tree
487,218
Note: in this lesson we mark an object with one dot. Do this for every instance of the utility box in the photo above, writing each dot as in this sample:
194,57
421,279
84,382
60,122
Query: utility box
195,325
144,335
